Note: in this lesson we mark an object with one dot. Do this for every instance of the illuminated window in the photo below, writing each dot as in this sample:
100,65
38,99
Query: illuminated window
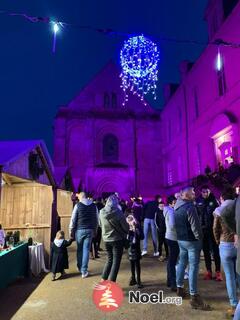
169,131
198,159
169,175
179,125
222,88
180,168
196,106
110,148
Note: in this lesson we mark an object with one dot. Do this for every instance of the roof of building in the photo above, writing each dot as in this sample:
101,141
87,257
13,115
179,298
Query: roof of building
11,151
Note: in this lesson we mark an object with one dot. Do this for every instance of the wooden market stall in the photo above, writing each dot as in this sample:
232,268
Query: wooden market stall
65,189
27,191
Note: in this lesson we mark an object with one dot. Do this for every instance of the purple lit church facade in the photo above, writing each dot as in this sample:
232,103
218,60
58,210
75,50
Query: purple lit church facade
106,146
136,150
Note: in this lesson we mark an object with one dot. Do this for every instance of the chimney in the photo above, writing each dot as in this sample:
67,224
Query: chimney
184,67
168,90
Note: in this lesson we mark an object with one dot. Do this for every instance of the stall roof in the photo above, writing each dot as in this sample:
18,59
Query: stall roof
10,151
63,178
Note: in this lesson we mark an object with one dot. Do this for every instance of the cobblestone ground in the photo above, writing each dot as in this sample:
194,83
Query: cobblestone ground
71,298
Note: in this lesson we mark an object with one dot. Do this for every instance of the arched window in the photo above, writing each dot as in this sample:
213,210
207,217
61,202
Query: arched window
222,87
179,126
114,100
106,100
110,148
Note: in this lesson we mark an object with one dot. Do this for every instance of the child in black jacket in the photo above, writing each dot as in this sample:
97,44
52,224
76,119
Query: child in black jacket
161,230
59,254
135,235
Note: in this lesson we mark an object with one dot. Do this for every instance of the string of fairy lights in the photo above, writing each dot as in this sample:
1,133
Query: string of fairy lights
139,56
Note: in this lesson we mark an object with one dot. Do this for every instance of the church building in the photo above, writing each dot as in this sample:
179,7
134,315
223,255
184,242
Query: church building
109,147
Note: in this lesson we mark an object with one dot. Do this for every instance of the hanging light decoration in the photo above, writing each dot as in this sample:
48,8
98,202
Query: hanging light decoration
219,62
139,60
56,28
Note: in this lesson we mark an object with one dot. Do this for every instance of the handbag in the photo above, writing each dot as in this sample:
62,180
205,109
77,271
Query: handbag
126,243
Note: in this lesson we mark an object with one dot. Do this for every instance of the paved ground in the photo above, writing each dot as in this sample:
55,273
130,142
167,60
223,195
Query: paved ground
71,298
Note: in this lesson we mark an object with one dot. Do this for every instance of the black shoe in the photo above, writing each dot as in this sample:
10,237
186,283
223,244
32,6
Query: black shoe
174,289
100,249
132,282
196,302
181,292
139,285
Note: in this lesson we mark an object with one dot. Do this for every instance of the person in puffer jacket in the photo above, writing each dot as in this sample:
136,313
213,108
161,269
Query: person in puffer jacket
206,204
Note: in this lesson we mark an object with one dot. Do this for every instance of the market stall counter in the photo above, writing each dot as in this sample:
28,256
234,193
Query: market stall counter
13,264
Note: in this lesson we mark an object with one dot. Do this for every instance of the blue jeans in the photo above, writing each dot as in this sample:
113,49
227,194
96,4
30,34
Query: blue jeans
237,312
189,254
149,223
84,240
228,254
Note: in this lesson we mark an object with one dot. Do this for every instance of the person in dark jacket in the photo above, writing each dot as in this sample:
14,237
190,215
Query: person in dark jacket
161,230
149,211
137,210
206,204
189,237
135,235
59,255
83,226
95,247
114,231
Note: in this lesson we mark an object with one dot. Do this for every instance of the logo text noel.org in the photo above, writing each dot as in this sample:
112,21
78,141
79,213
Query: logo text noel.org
154,298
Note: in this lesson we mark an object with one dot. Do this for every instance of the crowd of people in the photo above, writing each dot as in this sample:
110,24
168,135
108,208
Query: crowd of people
184,224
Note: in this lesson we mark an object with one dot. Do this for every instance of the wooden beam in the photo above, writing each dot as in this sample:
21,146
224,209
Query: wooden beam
49,173
7,179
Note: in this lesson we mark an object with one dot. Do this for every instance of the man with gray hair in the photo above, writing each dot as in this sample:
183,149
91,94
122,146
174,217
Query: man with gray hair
83,226
189,237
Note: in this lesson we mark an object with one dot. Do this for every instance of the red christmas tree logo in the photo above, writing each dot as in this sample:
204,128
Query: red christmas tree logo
107,296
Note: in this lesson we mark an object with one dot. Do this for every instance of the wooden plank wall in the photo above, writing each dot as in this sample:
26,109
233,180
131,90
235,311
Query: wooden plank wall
26,204
64,209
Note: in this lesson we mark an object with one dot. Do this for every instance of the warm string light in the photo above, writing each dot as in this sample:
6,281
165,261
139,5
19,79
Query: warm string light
139,60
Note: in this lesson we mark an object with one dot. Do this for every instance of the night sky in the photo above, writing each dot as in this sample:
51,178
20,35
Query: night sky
34,82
